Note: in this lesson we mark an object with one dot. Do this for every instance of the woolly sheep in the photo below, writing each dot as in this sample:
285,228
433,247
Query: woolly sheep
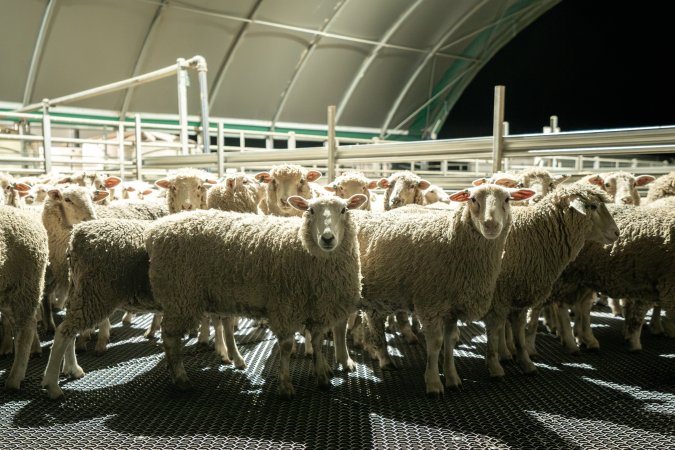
664,202
186,189
403,188
620,186
543,239
638,266
14,194
295,272
238,192
95,181
456,259
434,194
663,186
24,255
350,183
284,181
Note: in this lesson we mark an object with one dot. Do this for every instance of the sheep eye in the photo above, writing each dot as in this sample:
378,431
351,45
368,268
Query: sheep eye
606,185
245,181
311,210
344,210
521,185
551,185
593,207
68,200
473,199
507,199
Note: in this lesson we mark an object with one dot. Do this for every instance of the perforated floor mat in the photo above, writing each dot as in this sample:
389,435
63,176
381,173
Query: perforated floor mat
612,399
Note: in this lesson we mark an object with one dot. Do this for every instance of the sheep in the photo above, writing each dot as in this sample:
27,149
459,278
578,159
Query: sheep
620,186
543,239
296,272
238,192
136,190
108,268
24,254
14,194
663,186
38,194
434,194
638,266
94,181
456,259
350,183
284,181
403,188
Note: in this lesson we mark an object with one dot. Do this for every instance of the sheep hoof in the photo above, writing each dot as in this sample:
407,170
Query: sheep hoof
240,364
325,385
182,385
226,361
13,385
53,392
453,384
434,394
531,372
286,391
497,378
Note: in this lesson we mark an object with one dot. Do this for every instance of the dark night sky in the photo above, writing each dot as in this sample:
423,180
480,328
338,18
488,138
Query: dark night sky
593,63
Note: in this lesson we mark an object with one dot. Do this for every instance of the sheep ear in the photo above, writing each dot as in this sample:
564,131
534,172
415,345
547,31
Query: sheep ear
521,194
129,188
210,181
111,182
298,202
64,180
55,194
23,193
329,187
313,175
424,184
644,179
147,192
21,187
230,183
479,181
506,181
383,183
163,183
263,177
597,180
461,196
356,200
578,205
99,195
372,184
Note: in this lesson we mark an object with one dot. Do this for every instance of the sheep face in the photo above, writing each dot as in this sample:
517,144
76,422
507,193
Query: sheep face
540,181
14,192
489,206
286,182
75,203
603,230
347,188
37,194
186,192
244,184
435,194
402,189
622,186
325,219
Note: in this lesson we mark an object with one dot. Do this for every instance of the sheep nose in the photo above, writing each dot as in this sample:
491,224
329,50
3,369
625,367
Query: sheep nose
187,206
328,239
627,200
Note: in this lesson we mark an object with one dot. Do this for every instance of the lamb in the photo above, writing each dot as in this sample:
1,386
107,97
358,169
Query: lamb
403,188
350,183
108,270
238,192
622,270
543,239
24,254
284,181
456,256
663,186
295,272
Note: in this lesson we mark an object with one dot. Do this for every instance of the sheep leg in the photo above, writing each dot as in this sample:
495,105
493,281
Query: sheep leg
204,331
50,378
309,345
341,350
219,340
103,337
585,333
416,324
493,329
233,350
376,340
565,330
322,369
172,335
507,347
48,323
83,339
433,334
634,317
7,343
617,309
655,324
518,320
128,318
355,328
551,319
286,389
154,326
450,339
35,348
531,331
403,321
24,331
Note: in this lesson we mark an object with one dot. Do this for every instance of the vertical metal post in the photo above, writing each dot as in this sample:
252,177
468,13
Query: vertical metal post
139,149
220,150
204,101
242,141
497,129
291,140
554,124
120,147
47,135
182,104
332,145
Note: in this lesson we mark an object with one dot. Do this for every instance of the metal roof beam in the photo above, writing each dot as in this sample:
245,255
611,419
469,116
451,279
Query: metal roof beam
373,54
142,55
420,67
309,51
47,19
220,74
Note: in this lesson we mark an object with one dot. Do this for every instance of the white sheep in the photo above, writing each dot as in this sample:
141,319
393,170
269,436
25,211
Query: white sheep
442,265
15,193
238,192
542,241
638,267
295,272
24,255
95,181
434,194
349,183
284,181
403,188
663,186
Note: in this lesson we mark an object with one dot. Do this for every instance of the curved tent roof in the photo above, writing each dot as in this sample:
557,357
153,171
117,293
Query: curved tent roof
389,66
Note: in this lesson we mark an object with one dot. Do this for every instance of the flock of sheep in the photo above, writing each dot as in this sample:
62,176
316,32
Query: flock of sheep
331,261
